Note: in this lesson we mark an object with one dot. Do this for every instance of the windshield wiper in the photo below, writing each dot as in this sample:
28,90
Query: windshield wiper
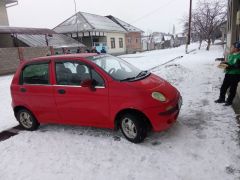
142,73
128,79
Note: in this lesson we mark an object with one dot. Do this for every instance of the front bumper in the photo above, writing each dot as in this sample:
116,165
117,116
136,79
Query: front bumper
163,120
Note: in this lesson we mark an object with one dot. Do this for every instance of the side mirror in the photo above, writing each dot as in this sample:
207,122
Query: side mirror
87,83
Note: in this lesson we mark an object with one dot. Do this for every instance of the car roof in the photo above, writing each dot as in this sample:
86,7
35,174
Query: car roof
64,56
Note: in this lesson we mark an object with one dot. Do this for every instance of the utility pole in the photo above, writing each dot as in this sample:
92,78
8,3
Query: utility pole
75,7
189,27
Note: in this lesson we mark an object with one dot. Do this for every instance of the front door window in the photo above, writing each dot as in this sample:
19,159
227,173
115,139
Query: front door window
74,73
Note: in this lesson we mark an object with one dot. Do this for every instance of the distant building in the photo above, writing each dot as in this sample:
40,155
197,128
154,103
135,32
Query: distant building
168,41
95,31
180,39
158,40
133,35
147,43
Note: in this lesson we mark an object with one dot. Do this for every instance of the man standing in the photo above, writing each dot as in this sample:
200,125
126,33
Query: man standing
232,76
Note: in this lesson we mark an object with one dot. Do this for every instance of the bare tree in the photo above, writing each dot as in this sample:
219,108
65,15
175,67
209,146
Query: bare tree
207,19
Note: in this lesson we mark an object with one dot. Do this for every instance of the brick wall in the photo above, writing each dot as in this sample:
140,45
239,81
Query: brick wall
32,52
133,42
9,57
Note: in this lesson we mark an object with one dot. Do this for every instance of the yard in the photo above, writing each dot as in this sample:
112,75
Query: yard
203,144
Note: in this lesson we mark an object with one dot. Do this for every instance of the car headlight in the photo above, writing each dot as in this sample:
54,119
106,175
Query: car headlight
159,96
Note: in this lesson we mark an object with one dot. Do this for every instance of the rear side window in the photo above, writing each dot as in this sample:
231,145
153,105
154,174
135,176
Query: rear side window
35,74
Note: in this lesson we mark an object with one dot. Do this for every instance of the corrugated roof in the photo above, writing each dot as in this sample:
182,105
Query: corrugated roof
126,26
88,22
23,30
57,41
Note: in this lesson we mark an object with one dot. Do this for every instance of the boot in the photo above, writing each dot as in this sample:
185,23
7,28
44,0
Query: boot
228,103
220,100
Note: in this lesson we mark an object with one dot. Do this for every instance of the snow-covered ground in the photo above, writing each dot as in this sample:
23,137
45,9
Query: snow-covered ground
202,145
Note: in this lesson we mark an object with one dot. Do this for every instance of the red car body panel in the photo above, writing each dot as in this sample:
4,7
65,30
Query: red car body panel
98,107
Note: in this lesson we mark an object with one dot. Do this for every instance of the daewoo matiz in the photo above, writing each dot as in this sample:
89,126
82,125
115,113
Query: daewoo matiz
93,90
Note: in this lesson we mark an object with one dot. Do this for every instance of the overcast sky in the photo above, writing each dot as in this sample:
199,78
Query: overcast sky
148,15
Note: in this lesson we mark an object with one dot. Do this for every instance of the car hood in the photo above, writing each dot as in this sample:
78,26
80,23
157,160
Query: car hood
154,83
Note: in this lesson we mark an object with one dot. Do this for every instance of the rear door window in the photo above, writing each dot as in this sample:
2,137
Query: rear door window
35,74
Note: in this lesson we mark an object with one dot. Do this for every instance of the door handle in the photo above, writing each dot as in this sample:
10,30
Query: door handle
61,91
23,89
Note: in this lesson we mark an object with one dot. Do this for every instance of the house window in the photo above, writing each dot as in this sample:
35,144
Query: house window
113,43
129,40
136,40
120,42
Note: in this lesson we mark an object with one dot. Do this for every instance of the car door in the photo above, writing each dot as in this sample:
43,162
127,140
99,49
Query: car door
36,91
77,104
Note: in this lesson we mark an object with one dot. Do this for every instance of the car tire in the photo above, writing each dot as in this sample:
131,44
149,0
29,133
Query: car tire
27,120
133,128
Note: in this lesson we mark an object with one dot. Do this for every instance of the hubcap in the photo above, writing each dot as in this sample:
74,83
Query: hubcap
129,128
25,119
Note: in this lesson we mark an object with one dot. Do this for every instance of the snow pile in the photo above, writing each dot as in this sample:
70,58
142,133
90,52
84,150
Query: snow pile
203,144
7,118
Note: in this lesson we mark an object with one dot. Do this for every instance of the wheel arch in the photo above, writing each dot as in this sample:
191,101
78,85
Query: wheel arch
18,108
131,111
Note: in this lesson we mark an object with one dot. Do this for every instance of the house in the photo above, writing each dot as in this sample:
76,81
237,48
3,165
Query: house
180,39
147,43
158,40
132,37
168,41
95,31
233,23
233,35
4,4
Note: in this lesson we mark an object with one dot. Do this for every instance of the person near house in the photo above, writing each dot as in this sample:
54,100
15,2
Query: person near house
94,50
103,50
68,51
232,75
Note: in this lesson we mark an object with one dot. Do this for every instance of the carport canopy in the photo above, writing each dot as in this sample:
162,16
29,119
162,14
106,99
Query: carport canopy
23,30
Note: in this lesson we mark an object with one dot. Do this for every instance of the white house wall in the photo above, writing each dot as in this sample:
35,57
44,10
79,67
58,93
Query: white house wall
117,49
3,14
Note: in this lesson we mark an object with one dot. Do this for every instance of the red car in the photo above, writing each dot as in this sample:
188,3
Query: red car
93,90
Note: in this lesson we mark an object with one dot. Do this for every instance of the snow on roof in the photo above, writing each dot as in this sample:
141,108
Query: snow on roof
88,22
57,41
126,26
167,37
180,35
158,38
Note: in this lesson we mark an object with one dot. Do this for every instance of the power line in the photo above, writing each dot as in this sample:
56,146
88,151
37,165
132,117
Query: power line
152,12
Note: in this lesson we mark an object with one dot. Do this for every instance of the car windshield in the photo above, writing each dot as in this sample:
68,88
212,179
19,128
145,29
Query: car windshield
118,68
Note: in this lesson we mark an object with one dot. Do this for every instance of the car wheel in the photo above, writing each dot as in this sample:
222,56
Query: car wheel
133,128
27,120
